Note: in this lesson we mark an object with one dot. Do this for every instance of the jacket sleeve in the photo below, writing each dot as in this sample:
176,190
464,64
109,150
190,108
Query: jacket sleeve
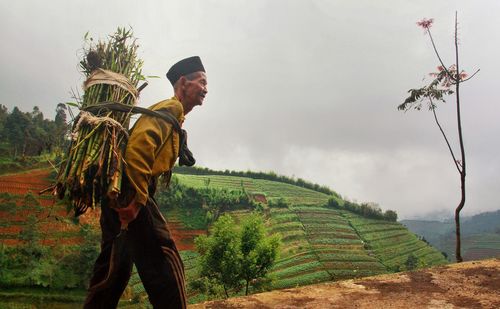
148,135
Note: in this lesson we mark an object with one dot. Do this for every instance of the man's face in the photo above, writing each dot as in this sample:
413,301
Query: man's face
195,90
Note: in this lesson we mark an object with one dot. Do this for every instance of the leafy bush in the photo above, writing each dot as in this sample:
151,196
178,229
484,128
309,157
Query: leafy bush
368,210
278,203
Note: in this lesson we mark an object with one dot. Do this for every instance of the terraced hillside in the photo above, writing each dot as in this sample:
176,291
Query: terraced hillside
271,189
19,200
392,243
320,243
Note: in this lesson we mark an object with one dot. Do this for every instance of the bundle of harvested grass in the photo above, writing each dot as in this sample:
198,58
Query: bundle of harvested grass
94,165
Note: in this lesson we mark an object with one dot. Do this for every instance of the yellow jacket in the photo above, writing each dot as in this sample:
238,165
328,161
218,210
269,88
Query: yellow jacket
152,148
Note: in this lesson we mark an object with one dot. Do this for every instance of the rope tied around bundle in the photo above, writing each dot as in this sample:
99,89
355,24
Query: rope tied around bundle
101,76
86,118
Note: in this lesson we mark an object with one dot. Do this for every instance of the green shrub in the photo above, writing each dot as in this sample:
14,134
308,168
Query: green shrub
278,203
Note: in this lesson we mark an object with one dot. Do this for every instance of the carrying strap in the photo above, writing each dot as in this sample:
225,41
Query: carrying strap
185,155
119,107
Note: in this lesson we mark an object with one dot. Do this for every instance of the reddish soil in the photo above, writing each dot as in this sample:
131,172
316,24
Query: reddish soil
91,217
34,181
473,284
261,198
62,241
4,230
184,238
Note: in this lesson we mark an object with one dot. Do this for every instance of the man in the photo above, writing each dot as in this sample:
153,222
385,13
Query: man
152,149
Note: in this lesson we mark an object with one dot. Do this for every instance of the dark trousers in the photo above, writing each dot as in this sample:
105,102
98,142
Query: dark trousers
147,244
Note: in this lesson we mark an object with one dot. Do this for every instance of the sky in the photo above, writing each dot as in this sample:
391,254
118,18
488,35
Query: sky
306,89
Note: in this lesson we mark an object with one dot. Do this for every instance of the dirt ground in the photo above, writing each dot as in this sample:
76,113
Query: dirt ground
473,284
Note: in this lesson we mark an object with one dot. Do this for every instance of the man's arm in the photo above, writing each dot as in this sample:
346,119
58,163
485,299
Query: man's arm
148,135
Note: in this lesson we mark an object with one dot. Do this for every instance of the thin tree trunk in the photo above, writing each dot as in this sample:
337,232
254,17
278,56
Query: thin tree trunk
246,289
458,253
225,291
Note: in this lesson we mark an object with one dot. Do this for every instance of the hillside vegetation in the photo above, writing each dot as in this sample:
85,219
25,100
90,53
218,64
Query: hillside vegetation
321,241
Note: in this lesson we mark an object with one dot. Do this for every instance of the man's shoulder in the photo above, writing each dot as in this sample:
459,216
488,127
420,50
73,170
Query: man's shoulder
173,105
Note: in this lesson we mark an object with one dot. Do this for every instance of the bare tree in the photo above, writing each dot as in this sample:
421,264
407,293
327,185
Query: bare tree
447,78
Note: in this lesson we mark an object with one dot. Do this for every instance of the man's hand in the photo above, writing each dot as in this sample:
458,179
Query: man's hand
129,213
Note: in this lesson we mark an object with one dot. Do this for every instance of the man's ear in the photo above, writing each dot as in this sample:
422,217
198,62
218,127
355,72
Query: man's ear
182,82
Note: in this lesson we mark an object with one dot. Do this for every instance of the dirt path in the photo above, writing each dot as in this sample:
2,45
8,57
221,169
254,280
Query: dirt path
473,284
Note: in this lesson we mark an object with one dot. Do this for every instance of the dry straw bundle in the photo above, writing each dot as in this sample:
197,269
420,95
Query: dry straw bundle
94,165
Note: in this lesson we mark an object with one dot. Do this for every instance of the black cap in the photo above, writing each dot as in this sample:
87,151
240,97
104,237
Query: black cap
184,67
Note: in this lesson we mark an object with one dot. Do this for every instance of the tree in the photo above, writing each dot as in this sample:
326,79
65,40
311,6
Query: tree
233,257
258,251
446,78
391,215
3,118
17,132
220,254
412,262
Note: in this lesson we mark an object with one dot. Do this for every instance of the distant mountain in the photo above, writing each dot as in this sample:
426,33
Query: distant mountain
441,215
480,235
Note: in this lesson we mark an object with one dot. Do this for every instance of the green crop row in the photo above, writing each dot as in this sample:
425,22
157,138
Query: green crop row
322,220
419,253
326,226
389,239
335,265
334,241
395,252
297,269
325,257
295,260
227,182
315,208
385,235
379,228
305,279
138,288
390,243
339,251
292,235
316,212
285,217
333,234
286,226
327,229
294,248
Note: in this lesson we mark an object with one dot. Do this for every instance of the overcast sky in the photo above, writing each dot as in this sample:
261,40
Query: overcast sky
304,88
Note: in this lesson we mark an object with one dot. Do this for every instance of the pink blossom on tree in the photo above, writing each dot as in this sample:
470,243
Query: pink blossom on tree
425,23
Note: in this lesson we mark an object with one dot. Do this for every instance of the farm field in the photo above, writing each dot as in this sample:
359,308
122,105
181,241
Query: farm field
318,243
323,244
270,189
392,243
19,199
